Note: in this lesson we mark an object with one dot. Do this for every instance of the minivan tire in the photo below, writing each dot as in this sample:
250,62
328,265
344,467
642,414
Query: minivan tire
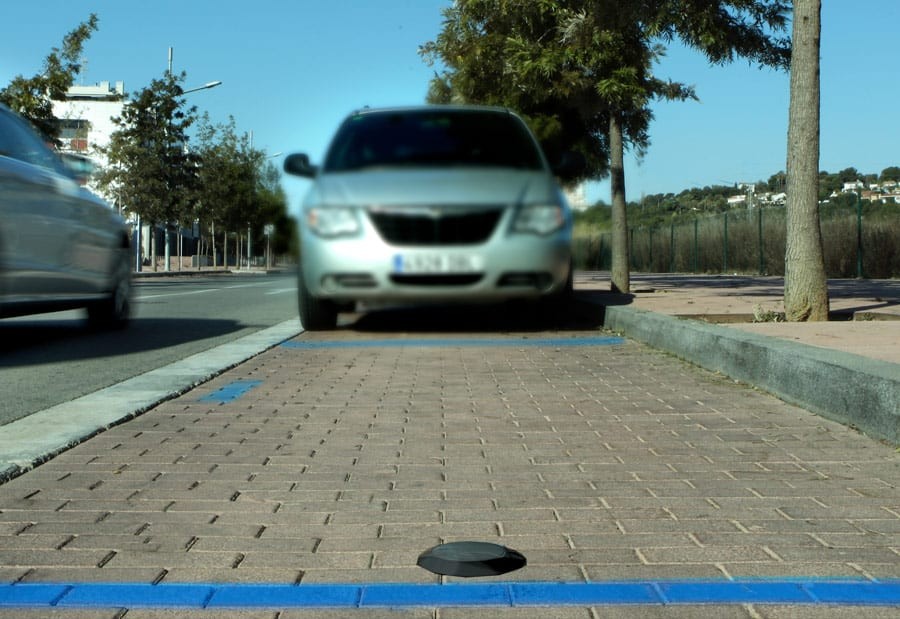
315,314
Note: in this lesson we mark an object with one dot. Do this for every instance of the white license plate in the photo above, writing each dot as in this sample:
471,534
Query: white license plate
414,264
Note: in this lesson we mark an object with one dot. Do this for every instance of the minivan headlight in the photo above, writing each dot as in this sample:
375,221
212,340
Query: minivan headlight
332,221
539,219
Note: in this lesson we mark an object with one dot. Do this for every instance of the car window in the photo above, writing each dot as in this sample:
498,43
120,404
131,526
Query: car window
19,142
432,138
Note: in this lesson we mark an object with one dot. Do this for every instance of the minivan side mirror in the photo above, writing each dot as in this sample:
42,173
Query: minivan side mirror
298,164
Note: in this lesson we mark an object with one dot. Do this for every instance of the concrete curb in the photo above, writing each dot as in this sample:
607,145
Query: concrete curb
859,392
34,439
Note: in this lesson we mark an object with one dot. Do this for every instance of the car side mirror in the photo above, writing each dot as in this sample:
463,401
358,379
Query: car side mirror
298,164
78,167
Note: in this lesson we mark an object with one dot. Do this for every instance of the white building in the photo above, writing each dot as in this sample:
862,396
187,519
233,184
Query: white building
86,118
577,197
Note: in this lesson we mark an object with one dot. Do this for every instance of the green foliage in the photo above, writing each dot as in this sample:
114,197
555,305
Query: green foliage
581,71
238,186
228,175
671,245
891,173
567,65
151,172
665,208
32,96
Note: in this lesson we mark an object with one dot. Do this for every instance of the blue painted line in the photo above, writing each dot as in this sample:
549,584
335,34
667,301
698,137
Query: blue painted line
434,596
759,592
556,342
847,592
231,391
496,594
31,595
286,596
584,594
113,595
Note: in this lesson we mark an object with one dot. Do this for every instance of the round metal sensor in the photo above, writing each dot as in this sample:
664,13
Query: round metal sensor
468,559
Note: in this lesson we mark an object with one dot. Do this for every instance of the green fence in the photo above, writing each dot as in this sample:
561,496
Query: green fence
861,242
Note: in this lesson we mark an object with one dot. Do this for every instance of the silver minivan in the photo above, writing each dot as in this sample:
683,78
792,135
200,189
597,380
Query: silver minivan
430,204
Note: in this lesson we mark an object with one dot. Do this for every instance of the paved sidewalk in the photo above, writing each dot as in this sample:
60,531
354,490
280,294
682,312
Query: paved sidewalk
866,312
847,369
337,458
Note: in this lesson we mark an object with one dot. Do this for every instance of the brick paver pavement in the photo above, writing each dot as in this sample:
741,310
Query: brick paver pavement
598,463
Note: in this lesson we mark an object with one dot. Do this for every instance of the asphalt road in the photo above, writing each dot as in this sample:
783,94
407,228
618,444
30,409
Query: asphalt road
53,358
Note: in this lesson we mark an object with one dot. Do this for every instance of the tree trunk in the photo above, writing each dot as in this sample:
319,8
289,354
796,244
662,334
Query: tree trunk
225,250
619,276
805,284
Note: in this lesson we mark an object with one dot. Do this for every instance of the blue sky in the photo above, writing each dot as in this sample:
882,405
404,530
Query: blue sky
291,70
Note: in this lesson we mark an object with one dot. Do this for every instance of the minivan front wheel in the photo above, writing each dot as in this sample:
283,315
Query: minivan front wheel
315,314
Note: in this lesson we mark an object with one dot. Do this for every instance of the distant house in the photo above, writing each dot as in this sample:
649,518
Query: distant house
736,200
871,196
853,186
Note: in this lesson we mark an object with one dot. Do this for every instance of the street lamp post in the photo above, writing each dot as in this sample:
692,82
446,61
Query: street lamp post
168,259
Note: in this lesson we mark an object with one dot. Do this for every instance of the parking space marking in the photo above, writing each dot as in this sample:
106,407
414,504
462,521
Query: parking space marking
231,391
805,592
554,342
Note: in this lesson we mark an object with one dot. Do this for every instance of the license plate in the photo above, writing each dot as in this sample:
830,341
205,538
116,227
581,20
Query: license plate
414,264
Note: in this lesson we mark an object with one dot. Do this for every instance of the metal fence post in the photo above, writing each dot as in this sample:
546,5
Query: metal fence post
672,248
696,246
725,246
859,241
762,259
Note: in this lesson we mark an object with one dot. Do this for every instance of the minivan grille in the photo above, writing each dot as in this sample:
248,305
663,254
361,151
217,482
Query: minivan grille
435,226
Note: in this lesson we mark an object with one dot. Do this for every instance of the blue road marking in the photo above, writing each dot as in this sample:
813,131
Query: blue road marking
286,596
114,595
555,342
231,391
405,595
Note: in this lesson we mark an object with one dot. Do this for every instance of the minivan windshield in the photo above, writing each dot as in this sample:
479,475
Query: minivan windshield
432,138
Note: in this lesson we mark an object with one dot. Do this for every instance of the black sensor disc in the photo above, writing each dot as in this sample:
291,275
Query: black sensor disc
469,559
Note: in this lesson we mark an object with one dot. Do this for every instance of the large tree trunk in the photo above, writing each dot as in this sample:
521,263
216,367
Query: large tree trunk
805,284
619,277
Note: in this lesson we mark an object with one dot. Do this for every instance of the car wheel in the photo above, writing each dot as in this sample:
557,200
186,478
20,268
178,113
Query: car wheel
114,310
315,314
559,304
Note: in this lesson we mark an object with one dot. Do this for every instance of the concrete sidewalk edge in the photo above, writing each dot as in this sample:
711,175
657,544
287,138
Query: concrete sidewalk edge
859,392
34,439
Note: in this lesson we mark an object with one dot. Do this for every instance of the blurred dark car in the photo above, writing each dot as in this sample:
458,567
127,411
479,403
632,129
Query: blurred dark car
61,247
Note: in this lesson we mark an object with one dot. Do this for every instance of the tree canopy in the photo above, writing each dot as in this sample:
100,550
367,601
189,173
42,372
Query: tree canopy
32,97
151,171
581,71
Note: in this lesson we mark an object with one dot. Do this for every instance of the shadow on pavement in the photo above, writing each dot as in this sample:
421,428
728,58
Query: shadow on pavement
581,314
35,342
